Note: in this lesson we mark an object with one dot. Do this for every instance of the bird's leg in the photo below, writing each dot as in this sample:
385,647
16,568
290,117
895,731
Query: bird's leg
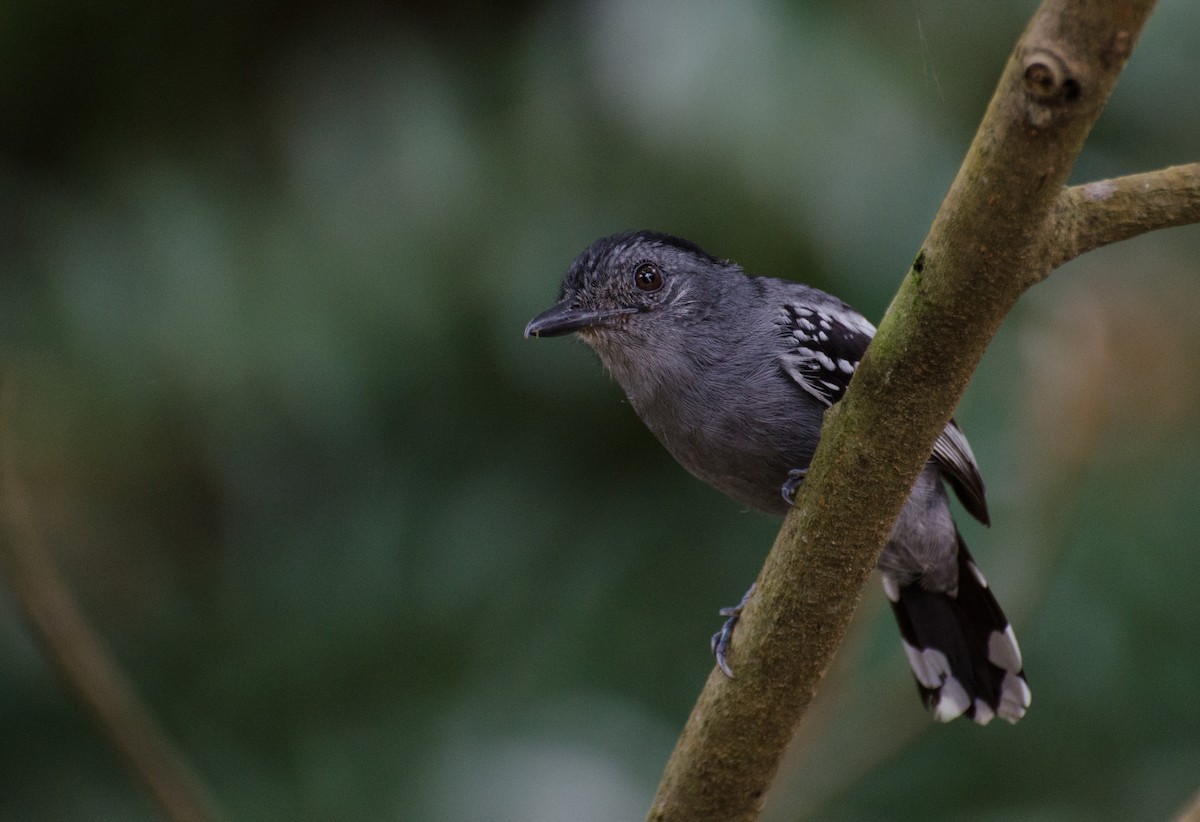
792,484
721,639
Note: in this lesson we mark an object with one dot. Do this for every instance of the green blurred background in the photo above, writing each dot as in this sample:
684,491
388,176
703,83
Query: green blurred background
369,554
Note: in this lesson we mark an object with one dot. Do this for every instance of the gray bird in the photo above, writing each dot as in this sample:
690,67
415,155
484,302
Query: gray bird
733,374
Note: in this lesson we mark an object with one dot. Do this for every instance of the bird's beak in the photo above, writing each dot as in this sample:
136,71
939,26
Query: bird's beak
563,319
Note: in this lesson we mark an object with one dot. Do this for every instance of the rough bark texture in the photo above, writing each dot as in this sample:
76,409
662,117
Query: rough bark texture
994,236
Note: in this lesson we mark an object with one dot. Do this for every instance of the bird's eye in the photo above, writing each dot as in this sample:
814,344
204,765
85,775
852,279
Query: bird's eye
648,277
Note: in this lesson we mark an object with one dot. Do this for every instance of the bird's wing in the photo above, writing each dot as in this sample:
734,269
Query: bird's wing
825,339
953,455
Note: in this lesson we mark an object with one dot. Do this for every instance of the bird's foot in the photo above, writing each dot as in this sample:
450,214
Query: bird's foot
792,485
722,638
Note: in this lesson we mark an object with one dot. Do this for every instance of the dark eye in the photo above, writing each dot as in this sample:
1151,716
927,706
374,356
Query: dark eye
648,277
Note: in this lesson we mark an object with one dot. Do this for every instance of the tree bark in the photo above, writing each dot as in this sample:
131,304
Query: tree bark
1107,211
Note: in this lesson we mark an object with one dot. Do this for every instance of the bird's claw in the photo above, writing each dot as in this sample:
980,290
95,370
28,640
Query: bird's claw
720,644
792,484
722,638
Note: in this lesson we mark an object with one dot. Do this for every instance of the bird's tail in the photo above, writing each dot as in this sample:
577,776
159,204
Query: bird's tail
961,647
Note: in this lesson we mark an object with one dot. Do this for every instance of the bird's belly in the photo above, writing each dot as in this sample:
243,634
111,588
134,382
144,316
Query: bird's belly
747,463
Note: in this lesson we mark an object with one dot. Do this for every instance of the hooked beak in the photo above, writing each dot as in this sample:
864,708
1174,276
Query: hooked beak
563,319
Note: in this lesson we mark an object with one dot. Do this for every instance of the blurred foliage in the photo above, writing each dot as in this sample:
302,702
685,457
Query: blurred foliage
370,555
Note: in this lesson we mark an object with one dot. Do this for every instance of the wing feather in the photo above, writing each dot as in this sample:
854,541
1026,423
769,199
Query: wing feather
826,339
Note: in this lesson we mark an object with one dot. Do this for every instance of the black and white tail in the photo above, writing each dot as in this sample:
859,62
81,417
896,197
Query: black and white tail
961,647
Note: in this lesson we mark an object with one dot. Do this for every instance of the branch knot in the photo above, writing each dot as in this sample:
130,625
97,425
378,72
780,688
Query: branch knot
1048,78
1049,83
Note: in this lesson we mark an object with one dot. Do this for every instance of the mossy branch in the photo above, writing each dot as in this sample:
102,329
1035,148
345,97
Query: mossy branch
1006,222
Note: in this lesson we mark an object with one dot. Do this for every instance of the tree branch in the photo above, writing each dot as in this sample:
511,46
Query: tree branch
78,653
1191,813
1108,211
988,244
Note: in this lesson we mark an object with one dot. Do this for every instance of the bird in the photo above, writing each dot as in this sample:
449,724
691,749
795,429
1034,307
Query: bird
733,373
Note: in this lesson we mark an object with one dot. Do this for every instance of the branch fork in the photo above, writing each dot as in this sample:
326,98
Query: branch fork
1008,220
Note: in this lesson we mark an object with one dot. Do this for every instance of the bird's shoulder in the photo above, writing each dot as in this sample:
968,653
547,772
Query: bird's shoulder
823,341
823,337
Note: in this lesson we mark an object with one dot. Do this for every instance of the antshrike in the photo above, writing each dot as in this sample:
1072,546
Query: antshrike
733,374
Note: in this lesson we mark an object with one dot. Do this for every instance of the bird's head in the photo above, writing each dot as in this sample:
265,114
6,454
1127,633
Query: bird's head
627,288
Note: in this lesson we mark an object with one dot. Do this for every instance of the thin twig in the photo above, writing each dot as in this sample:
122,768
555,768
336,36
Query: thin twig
1191,813
78,653
1096,214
